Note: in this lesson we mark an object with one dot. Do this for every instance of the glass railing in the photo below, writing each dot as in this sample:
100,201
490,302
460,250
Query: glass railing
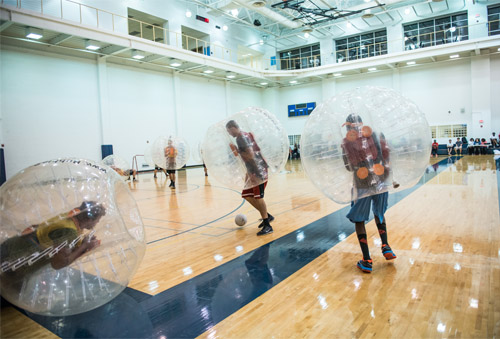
108,21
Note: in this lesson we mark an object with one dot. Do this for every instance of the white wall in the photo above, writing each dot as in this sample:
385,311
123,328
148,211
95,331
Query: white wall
495,90
49,107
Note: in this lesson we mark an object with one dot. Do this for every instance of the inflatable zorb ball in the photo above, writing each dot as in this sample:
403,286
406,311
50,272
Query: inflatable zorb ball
243,150
71,237
118,164
170,153
364,142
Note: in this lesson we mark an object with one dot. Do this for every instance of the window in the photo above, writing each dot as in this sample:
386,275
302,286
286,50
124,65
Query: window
433,132
493,20
303,57
361,46
294,139
449,131
438,31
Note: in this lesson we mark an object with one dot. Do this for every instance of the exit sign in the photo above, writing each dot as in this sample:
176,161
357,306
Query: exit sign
198,17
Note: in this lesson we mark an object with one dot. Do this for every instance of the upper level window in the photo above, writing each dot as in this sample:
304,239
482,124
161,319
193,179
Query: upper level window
493,20
437,31
303,57
361,46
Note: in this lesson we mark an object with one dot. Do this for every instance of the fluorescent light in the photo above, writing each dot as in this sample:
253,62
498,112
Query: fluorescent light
263,83
34,33
224,28
175,64
454,56
371,69
234,12
337,74
188,13
230,76
349,25
410,63
407,11
293,81
208,71
306,35
92,45
261,42
137,55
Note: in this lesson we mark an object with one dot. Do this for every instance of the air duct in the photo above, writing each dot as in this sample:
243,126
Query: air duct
269,13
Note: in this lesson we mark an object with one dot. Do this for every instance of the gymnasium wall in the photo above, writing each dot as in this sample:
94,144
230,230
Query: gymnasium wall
51,107
51,104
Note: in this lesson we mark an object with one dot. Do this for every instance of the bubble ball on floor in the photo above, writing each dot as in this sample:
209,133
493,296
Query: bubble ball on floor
71,237
243,150
170,152
120,165
363,142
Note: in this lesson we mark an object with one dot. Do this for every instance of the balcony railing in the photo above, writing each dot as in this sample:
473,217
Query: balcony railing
108,21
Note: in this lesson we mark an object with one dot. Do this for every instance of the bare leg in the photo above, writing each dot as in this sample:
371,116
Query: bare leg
260,205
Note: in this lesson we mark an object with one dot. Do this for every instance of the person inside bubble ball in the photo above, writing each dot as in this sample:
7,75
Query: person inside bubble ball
367,156
130,172
58,241
257,173
170,156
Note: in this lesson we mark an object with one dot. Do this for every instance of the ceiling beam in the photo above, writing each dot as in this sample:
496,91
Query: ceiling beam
5,25
60,38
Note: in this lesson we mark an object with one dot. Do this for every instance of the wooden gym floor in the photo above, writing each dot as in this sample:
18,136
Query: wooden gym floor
203,276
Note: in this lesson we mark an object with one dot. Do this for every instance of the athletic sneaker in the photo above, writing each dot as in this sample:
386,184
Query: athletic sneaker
388,253
365,265
267,229
271,219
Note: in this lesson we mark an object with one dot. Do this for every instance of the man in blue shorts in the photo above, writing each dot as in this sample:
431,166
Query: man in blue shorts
367,156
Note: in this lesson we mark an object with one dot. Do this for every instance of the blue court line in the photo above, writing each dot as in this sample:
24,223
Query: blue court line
189,309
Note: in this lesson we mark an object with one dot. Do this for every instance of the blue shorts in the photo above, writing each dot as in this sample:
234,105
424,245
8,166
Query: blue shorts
360,209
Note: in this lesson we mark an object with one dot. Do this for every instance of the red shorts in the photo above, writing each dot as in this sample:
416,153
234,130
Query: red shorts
256,192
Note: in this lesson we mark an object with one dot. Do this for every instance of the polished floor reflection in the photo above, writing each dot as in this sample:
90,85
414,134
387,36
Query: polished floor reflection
203,276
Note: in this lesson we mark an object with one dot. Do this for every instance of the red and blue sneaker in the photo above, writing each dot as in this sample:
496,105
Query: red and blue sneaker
365,265
388,253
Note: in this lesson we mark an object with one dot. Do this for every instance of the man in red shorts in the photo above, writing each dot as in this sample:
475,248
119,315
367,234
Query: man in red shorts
256,177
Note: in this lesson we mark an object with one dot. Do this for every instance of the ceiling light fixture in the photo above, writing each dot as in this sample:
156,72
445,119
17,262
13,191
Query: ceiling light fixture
263,83
34,33
306,35
234,12
230,76
208,71
261,42
349,25
454,56
337,74
371,69
293,81
224,28
137,55
410,63
175,64
188,13
92,45
407,11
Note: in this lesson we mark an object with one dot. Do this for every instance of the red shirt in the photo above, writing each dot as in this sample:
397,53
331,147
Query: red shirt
363,149
435,145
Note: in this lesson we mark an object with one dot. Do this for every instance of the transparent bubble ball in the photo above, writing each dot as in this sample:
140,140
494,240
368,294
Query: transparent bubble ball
248,159
71,237
170,152
363,142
